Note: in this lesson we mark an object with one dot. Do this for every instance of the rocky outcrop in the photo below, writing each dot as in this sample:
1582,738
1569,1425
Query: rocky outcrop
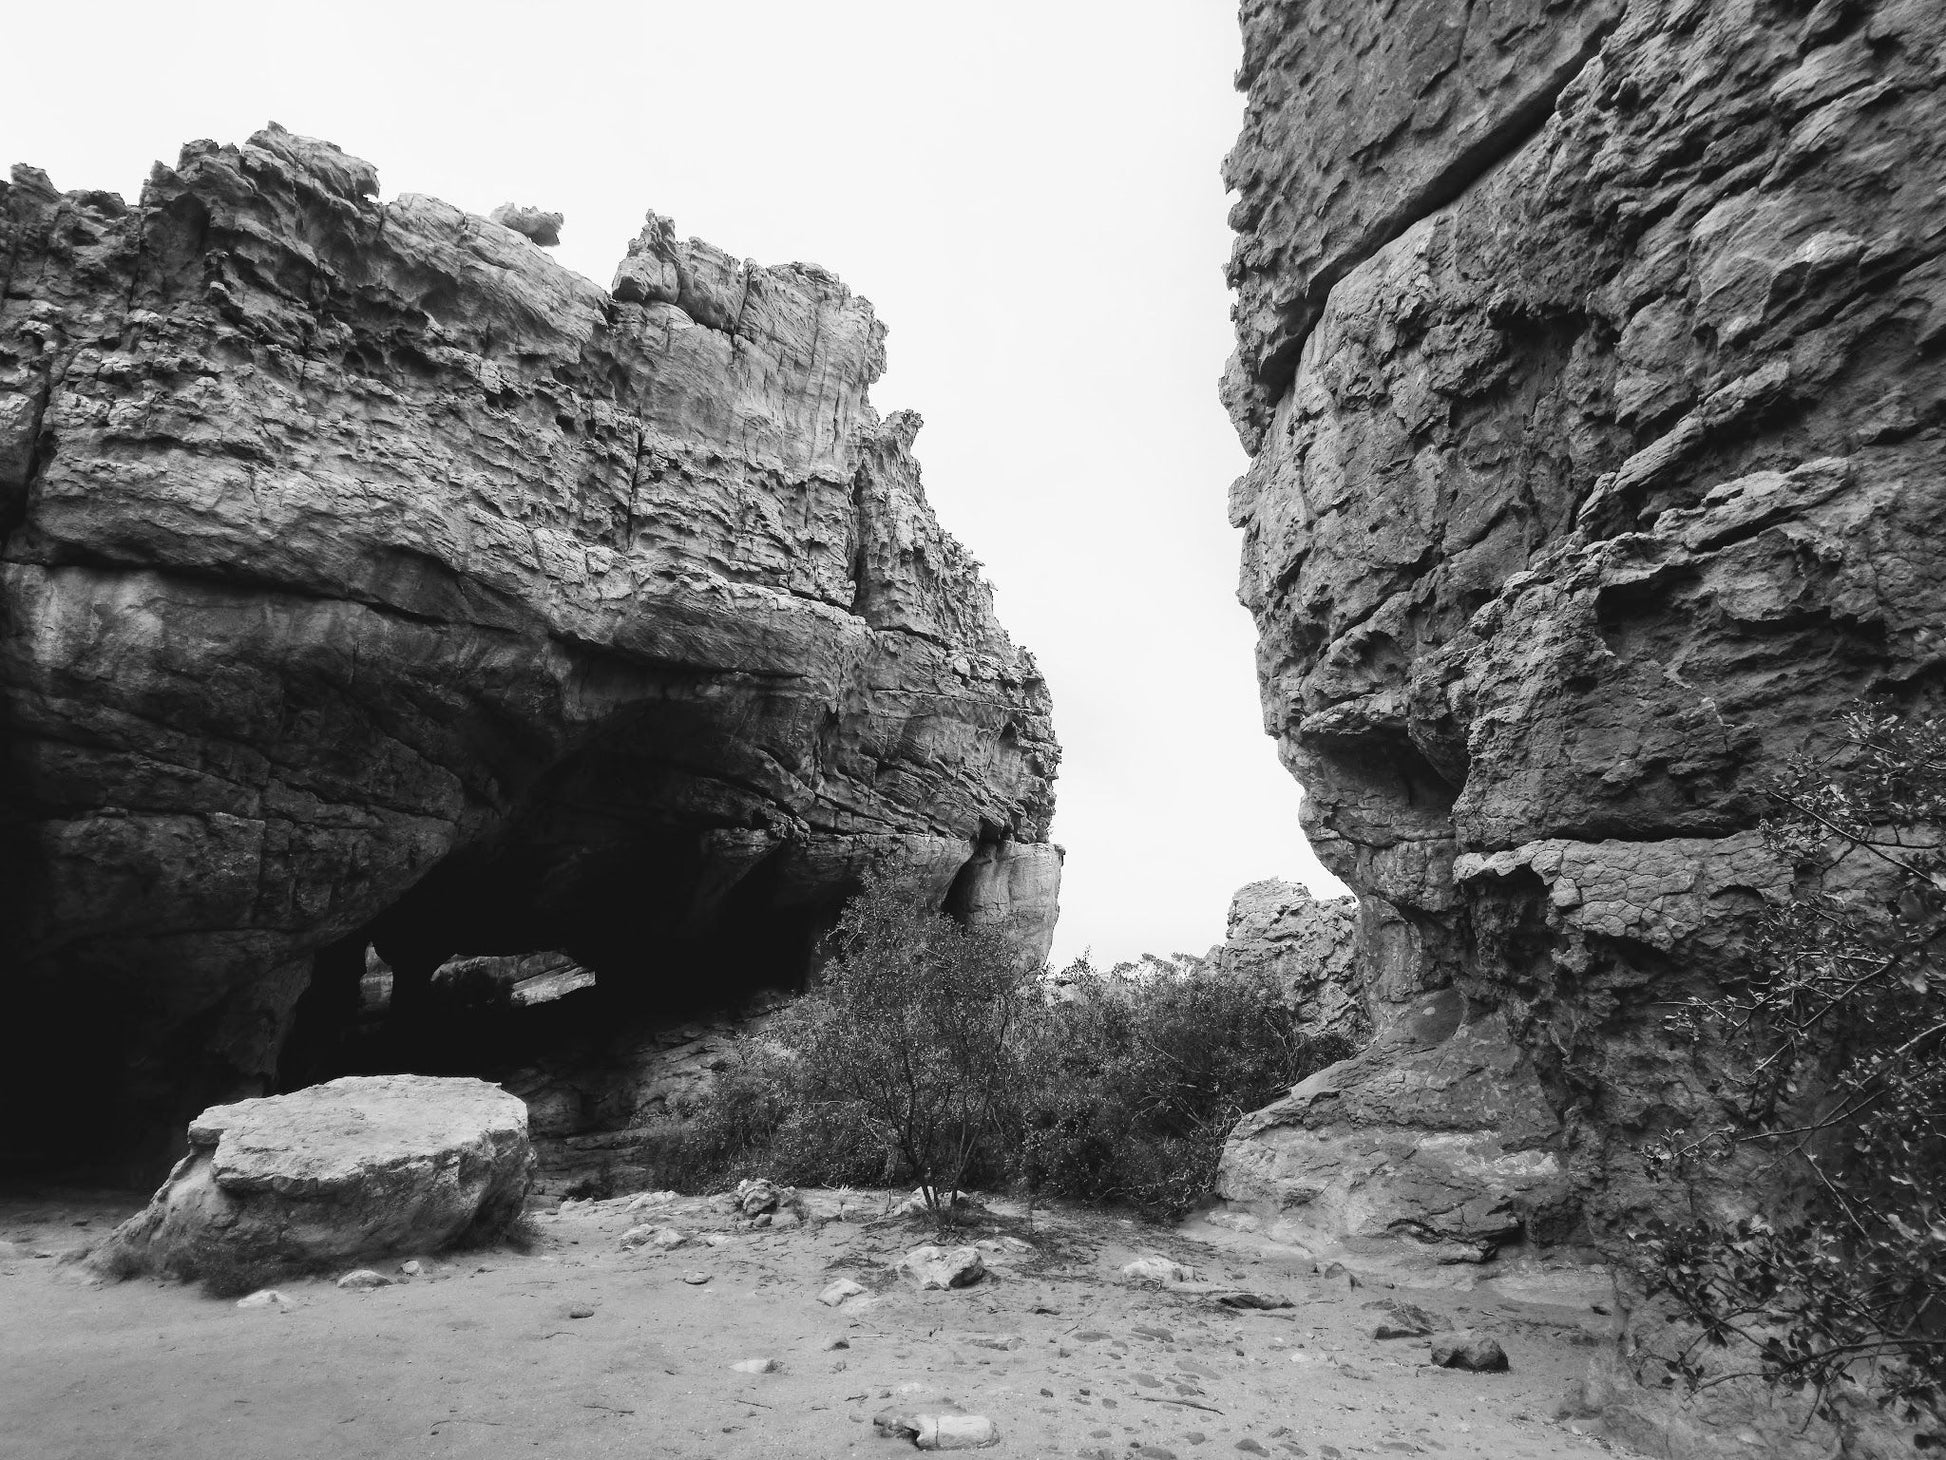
1589,357
1304,945
1428,1148
368,578
357,1168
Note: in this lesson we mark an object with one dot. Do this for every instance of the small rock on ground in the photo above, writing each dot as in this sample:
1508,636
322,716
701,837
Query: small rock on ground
1471,1351
363,1280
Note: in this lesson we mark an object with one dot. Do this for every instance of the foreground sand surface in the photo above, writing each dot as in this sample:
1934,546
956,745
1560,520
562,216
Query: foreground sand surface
483,1354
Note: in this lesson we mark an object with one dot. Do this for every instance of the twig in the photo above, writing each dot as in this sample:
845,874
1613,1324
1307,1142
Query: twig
1185,1403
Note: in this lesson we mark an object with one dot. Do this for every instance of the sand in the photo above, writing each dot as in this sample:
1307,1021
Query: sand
479,1354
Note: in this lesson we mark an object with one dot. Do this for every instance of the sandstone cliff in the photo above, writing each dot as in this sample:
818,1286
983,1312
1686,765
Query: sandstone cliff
1589,356
367,576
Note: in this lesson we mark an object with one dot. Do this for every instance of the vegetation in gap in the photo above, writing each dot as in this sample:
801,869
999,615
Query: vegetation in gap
927,1053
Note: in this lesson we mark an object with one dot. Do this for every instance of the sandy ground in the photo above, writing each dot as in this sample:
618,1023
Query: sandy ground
481,1355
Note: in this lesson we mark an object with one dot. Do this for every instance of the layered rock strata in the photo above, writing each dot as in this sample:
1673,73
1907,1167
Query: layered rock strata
369,578
1589,356
1590,485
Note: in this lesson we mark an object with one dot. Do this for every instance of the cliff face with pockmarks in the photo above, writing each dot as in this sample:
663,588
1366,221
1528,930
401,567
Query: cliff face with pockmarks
369,578
1590,360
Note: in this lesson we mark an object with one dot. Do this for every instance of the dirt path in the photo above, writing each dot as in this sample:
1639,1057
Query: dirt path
480,1356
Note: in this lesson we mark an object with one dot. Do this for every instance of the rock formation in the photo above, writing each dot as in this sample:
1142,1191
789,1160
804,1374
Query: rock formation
370,579
1304,944
1589,356
364,1167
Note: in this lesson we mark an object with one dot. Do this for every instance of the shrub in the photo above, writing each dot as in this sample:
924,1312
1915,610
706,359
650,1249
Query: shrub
1142,1073
927,1053
1839,1108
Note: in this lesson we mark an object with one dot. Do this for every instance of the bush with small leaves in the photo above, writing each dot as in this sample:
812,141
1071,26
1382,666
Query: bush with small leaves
1837,1113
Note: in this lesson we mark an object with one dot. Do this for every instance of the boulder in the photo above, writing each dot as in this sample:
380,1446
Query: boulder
362,1167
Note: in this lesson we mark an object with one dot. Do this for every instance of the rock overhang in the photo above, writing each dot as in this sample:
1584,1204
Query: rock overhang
351,541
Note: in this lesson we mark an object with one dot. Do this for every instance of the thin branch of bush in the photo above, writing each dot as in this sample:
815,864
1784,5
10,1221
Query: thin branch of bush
1834,1109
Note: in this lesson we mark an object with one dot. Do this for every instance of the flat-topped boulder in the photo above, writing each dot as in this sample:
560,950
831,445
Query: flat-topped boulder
359,1168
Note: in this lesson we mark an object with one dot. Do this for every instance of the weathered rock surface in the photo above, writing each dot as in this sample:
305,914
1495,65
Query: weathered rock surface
368,577
1589,356
1436,1134
1302,943
529,222
361,1167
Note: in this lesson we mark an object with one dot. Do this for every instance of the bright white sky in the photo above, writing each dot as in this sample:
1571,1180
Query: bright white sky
1027,191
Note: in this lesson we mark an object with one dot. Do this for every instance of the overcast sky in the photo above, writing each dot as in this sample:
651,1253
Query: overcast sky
1027,191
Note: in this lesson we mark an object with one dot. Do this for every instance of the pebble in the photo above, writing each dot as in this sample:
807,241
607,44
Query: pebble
363,1280
581,1310
412,1268
695,1279
266,1298
757,1366
1251,1447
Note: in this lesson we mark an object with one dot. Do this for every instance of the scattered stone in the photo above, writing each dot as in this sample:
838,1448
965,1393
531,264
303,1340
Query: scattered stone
269,1298
1470,1351
363,1280
360,1167
1154,1452
1000,1343
663,1239
695,1279
530,222
942,1267
581,1310
650,1199
412,1268
1158,1270
1160,1335
1251,1447
758,1366
837,1343
759,1197
842,1289
1406,1320
1237,1298
939,1431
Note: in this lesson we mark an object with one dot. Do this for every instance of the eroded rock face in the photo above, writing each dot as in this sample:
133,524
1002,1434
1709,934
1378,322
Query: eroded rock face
1593,380
1595,491
1305,944
368,577
362,1167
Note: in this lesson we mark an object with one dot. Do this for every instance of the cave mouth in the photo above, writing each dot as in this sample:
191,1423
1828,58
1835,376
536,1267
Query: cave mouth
561,972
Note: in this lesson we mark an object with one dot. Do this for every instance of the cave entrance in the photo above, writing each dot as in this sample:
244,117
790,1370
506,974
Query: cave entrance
599,980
